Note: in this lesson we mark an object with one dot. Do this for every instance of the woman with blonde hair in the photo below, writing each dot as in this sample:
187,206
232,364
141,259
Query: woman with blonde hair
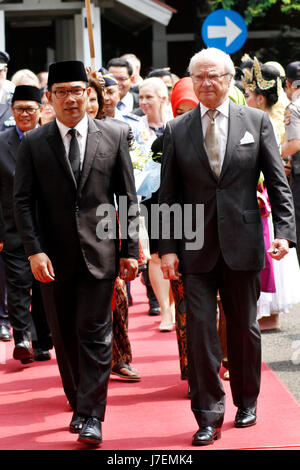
153,96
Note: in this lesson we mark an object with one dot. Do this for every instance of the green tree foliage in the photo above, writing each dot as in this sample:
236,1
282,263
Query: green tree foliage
251,9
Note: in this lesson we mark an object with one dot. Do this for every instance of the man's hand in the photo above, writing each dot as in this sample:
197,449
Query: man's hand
279,248
169,266
129,269
42,268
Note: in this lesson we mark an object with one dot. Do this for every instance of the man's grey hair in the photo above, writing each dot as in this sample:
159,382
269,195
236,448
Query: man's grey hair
215,54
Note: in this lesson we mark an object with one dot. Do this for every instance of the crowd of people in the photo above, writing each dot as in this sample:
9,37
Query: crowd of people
226,136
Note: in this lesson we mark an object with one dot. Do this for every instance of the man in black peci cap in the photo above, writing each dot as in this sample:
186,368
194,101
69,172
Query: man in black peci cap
73,168
23,307
291,147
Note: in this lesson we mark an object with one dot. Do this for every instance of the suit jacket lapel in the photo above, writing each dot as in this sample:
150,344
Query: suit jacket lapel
236,130
56,144
196,133
93,140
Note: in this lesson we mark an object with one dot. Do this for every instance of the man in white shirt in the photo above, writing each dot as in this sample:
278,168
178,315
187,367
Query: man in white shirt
212,159
123,72
68,172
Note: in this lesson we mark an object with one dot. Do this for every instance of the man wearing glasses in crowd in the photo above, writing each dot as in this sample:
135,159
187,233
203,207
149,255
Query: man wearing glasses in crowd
22,306
213,157
123,72
69,169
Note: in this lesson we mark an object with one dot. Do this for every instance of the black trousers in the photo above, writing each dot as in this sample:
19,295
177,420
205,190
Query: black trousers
24,301
80,318
239,292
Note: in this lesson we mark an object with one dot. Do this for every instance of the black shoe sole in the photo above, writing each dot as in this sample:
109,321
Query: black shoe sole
237,425
216,437
90,441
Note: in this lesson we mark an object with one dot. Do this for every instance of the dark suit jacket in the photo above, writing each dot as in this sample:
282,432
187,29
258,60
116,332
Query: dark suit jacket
232,221
68,216
136,103
9,144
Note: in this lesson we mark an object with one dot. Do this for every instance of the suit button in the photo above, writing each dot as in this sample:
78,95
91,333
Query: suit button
76,208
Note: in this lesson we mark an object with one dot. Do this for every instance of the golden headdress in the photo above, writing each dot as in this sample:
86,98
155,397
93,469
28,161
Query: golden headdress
254,79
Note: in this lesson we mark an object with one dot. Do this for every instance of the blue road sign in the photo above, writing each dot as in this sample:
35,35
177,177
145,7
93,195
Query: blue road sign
225,30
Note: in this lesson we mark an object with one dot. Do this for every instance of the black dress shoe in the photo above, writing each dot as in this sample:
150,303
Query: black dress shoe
206,435
245,417
23,352
76,423
5,333
154,311
91,432
41,355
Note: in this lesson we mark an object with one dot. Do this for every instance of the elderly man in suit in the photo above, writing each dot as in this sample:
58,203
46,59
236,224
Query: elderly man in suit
25,306
212,158
72,170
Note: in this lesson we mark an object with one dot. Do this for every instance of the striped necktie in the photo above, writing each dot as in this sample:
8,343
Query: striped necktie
212,141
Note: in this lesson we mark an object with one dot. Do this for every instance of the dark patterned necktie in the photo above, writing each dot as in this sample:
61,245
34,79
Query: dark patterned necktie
74,154
212,142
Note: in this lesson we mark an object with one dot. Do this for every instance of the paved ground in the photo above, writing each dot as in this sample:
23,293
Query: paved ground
281,350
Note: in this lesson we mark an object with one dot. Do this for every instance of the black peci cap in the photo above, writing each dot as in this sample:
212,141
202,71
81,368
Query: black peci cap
27,93
67,71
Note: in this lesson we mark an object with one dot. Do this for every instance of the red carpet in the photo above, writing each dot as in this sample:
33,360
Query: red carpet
151,414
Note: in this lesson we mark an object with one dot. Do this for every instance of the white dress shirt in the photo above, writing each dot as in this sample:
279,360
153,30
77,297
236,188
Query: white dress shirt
222,121
82,131
126,103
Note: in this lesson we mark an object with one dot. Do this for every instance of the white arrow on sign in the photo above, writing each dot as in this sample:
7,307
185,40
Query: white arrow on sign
230,31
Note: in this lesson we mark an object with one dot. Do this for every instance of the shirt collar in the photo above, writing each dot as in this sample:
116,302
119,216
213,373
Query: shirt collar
296,96
127,99
81,127
118,115
21,133
223,108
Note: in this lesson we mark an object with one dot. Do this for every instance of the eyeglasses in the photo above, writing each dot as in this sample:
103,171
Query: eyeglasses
123,79
210,77
20,110
62,93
